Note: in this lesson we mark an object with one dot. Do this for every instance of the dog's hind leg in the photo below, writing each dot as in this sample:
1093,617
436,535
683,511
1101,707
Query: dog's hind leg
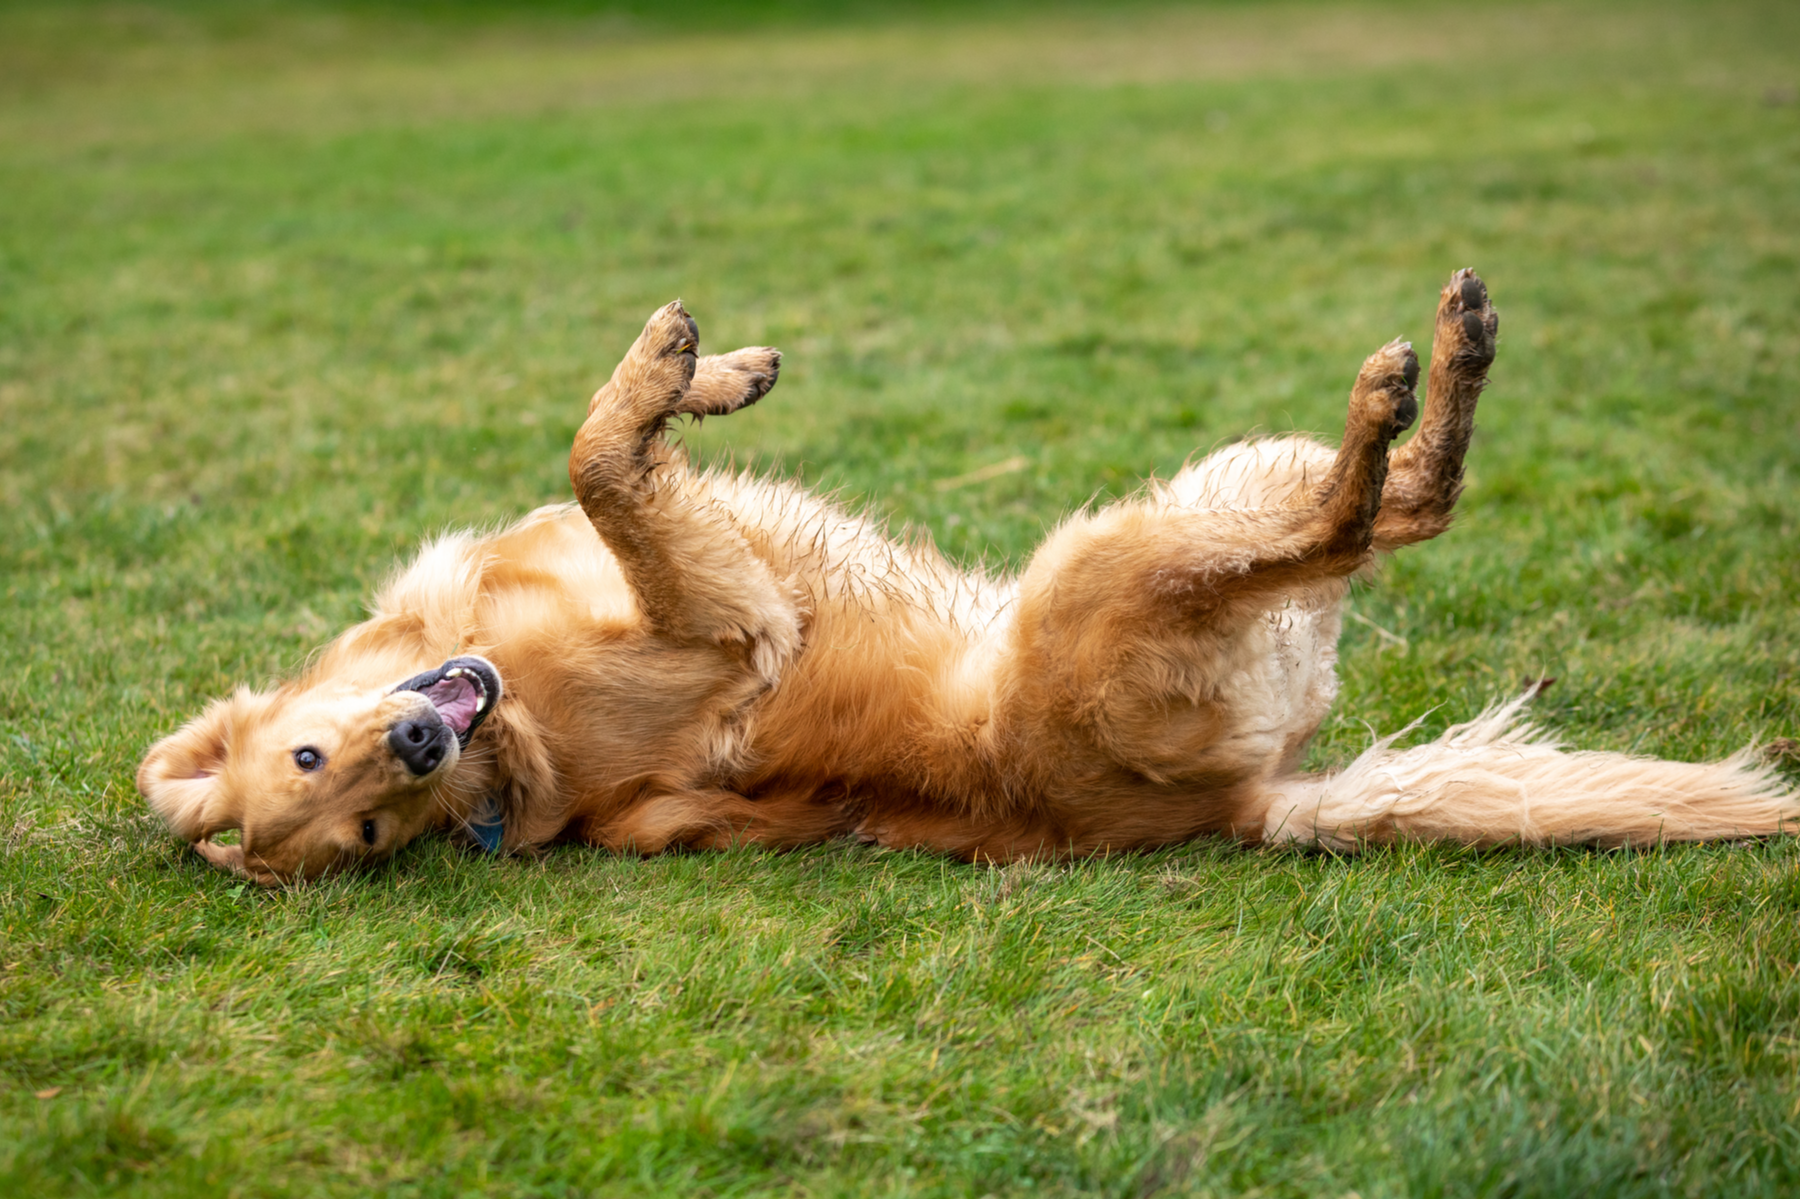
1161,561
1425,475
694,576
1190,649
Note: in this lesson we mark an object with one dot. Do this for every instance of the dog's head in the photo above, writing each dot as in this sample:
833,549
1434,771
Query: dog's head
317,778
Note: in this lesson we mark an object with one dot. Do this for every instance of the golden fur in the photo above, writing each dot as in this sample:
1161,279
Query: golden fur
699,659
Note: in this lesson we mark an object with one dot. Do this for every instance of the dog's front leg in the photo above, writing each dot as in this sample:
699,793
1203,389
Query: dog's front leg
694,576
716,819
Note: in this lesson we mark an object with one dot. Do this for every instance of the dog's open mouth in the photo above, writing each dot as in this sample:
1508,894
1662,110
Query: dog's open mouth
464,691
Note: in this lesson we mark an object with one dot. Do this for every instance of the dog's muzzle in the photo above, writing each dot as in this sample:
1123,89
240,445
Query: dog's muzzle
462,693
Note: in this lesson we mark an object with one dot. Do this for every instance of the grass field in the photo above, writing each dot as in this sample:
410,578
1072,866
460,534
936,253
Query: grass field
285,288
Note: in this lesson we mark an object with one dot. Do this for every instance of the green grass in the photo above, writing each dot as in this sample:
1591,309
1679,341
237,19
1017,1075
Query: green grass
284,289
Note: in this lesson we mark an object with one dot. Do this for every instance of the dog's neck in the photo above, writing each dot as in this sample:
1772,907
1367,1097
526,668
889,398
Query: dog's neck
506,775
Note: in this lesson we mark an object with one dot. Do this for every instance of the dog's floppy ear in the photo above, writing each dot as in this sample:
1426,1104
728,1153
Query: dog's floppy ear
180,775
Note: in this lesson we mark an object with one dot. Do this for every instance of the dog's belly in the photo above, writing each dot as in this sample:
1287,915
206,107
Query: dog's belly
1297,681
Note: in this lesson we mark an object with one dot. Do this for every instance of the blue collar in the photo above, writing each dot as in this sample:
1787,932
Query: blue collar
488,825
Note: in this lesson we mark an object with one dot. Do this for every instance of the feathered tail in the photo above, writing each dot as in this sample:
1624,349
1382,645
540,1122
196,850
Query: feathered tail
1499,779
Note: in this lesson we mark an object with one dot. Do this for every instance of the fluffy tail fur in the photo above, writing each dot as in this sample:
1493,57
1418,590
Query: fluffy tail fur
1498,780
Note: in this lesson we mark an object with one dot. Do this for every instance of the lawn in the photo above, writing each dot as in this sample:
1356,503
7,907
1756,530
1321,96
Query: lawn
285,288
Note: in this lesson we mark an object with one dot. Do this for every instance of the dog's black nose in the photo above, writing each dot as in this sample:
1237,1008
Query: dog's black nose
421,742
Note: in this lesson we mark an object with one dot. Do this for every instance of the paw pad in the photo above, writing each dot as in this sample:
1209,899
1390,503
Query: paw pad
1467,323
1474,292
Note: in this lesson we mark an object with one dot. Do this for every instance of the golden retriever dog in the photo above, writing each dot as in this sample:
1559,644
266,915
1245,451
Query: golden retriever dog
702,659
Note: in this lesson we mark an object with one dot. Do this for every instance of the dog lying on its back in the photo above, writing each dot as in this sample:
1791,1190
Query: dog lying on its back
689,659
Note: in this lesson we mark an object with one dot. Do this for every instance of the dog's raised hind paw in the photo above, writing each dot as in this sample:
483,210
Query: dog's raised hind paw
1384,396
1466,325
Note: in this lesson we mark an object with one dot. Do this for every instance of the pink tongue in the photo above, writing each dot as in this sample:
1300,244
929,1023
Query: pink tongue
455,699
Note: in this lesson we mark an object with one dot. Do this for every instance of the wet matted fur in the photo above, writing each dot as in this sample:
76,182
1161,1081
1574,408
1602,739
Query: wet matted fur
699,659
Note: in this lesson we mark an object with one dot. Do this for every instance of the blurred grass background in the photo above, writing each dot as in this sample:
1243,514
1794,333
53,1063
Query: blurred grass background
285,287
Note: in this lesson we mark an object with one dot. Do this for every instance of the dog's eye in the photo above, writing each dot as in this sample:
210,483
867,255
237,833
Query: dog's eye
369,832
308,759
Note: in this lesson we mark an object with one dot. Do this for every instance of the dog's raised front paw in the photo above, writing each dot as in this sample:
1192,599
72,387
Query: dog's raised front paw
652,378
670,342
724,383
